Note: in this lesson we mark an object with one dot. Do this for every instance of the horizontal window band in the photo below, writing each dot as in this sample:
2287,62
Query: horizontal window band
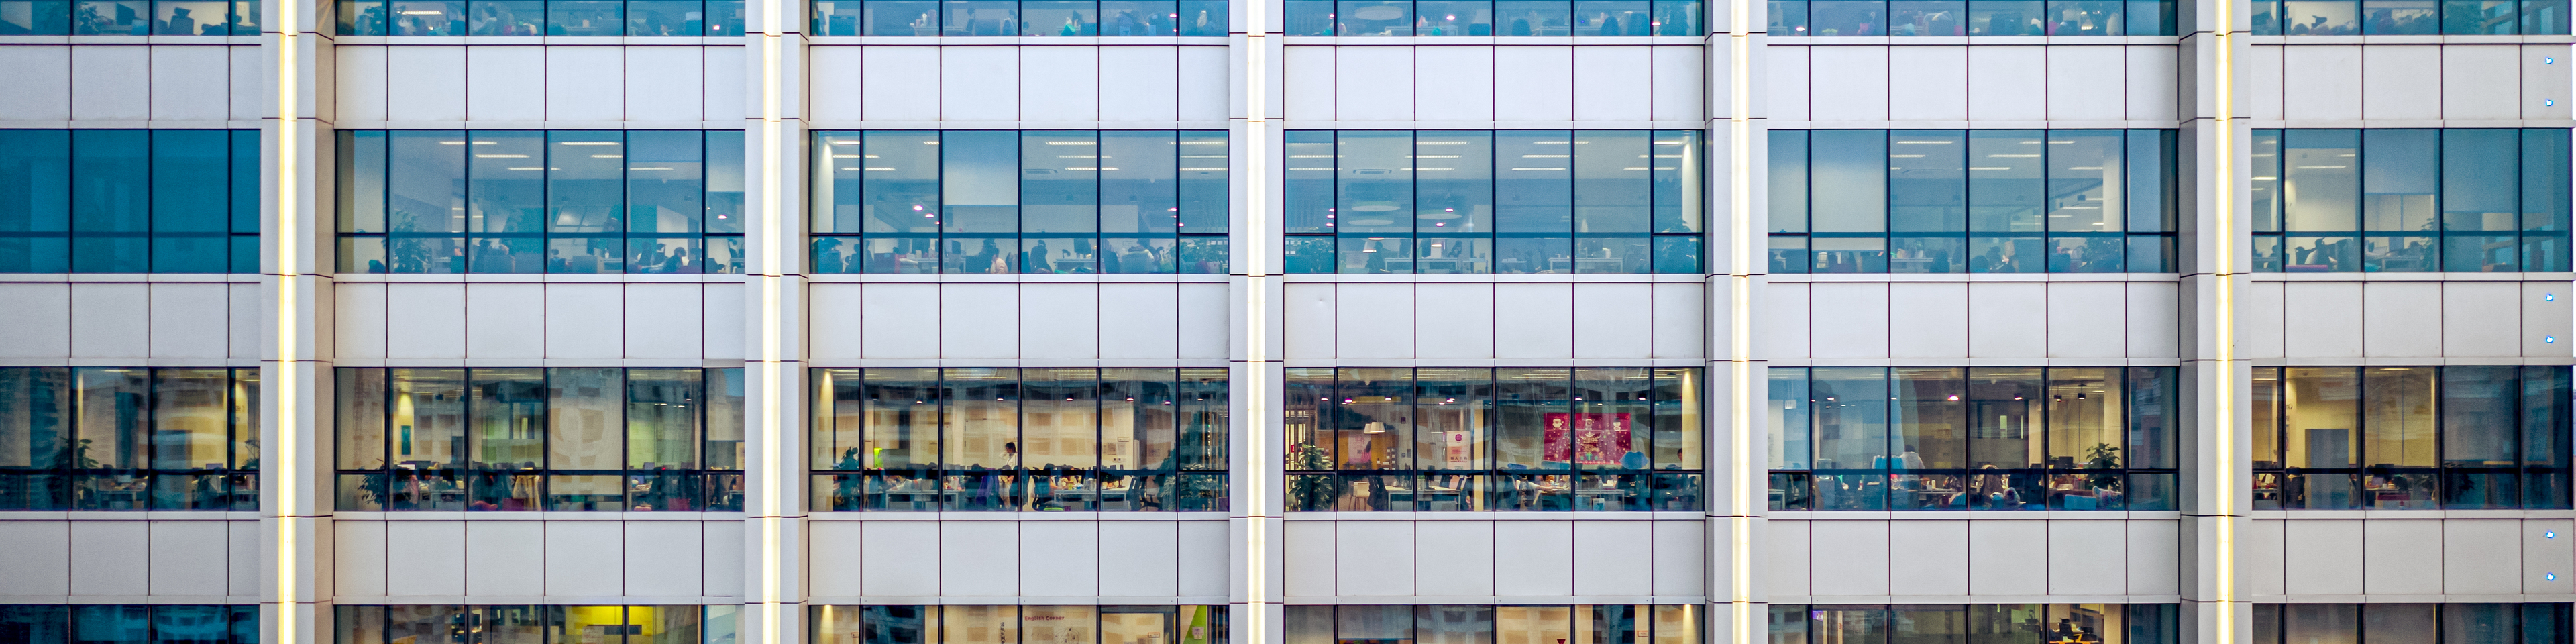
1983,472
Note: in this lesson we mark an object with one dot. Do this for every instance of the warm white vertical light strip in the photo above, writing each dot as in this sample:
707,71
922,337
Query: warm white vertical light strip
2223,275
1256,345
283,458
1746,472
772,273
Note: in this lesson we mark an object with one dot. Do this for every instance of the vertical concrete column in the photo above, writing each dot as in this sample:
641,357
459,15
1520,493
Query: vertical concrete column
775,144
1256,337
295,359
2214,264
1737,468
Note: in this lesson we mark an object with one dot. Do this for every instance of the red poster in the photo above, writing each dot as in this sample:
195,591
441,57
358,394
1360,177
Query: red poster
1559,447
1587,439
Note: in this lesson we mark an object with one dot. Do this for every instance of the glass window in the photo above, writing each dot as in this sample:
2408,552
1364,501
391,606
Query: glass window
1975,201
536,624
1480,202
1070,202
1036,439
2410,623
1472,439
2409,200
581,202
1019,18
129,17
536,18
130,624
1494,18
119,438
2378,17
966,624
526,439
2455,437
1481,624
2000,438
1975,623
129,201
1970,18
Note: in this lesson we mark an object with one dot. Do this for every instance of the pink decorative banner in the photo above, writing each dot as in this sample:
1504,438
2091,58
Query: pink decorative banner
1587,439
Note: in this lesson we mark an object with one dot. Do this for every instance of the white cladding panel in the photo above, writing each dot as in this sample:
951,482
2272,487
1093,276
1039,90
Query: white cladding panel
1928,557
104,560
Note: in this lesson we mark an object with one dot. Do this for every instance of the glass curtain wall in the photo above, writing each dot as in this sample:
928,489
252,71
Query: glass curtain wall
1495,18
2456,437
2410,200
535,624
1971,17
2403,17
129,438
1488,439
537,201
1006,439
129,18
1483,624
2410,623
1003,201
1972,201
968,624
540,18
1976,624
1500,201
1026,625
540,439
1019,18
129,201
1975,438
129,624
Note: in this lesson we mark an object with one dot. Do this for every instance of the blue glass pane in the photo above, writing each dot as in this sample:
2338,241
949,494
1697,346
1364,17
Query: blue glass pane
111,172
1678,18
34,623
505,17
1309,17
35,208
191,624
1526,18
245,173
112,624
35,17
724,17
112,18
665,18
2004,18
427,18
585,18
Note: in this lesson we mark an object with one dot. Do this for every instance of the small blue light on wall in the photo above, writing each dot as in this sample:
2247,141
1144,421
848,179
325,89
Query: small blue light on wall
2549,576
2549,534
2548,102
2549,339
2549,297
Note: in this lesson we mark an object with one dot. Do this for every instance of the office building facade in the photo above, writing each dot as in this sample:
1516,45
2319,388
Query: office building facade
1302,321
